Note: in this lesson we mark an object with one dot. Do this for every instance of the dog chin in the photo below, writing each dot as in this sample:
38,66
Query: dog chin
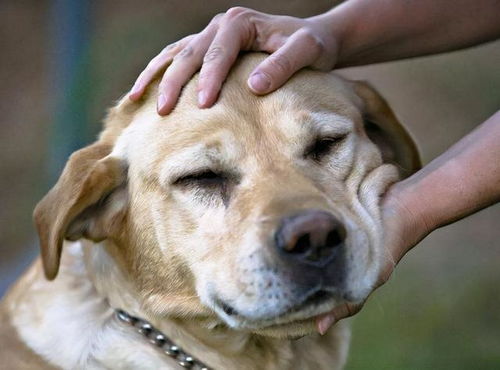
292,330
291,324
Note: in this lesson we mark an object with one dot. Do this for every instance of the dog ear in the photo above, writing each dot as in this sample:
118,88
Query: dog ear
385,131
83,203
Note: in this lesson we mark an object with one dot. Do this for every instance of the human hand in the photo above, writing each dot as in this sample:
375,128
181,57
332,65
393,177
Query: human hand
294,43
461,181
403,228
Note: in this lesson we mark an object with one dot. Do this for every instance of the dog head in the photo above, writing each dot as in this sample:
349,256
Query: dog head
262,210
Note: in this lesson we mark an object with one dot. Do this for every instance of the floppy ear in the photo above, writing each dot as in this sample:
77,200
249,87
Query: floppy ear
81,204
384,129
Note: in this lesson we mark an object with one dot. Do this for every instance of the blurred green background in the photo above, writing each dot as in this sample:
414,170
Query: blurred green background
64,62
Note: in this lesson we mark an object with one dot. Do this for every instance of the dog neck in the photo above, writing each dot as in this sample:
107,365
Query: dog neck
204,337
71,323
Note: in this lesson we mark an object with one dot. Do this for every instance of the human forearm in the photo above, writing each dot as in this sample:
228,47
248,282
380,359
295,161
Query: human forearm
463,180
371,31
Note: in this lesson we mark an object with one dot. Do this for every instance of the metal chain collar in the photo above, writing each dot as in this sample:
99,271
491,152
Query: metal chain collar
161,341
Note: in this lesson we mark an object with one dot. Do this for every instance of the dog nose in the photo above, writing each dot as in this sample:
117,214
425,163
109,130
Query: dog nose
312,236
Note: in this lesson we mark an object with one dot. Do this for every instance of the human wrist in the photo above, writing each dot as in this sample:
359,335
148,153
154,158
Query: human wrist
405,219
422,196
334,28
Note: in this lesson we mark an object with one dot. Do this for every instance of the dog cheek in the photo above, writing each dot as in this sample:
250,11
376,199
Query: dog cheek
373,187
371,190
365,255
358,260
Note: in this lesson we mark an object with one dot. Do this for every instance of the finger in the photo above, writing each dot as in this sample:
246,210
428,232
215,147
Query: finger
184,66
155,65
301,49
385,273
221,55
325,321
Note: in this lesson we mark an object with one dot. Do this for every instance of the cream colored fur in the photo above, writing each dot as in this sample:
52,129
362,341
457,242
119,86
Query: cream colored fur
164,249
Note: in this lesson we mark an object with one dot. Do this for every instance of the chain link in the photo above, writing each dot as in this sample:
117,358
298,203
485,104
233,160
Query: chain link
161,341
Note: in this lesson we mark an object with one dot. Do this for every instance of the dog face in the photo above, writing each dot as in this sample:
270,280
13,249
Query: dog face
264,210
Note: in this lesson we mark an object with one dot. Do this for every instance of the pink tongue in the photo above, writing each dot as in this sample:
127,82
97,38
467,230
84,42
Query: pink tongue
324,321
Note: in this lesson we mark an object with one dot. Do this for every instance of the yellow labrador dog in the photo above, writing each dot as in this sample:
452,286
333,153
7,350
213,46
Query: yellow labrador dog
211,238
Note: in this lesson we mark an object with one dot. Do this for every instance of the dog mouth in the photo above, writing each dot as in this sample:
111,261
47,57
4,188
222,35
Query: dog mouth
314,299
314,304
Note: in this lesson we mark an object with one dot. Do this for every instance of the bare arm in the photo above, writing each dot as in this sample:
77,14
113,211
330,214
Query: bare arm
356,32
461,181
384,30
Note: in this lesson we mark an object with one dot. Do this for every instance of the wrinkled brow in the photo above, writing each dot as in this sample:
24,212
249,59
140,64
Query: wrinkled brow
324,124
219,155
316,126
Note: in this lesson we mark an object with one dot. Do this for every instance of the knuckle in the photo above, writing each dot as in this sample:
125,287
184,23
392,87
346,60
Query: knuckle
236,11
281,63
217,17
186,40
215,52
312,40
170,80
168,84
185,53
202,79
170,47
205,81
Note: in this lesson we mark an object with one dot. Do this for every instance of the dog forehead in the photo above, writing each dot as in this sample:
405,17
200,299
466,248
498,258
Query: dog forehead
224,137
239,121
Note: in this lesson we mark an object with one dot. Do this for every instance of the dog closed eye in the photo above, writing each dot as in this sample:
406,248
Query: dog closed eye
208,186
321,147
202,179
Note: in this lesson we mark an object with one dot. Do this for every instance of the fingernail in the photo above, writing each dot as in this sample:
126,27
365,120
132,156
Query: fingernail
259,82
162,101
324,323
202,98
